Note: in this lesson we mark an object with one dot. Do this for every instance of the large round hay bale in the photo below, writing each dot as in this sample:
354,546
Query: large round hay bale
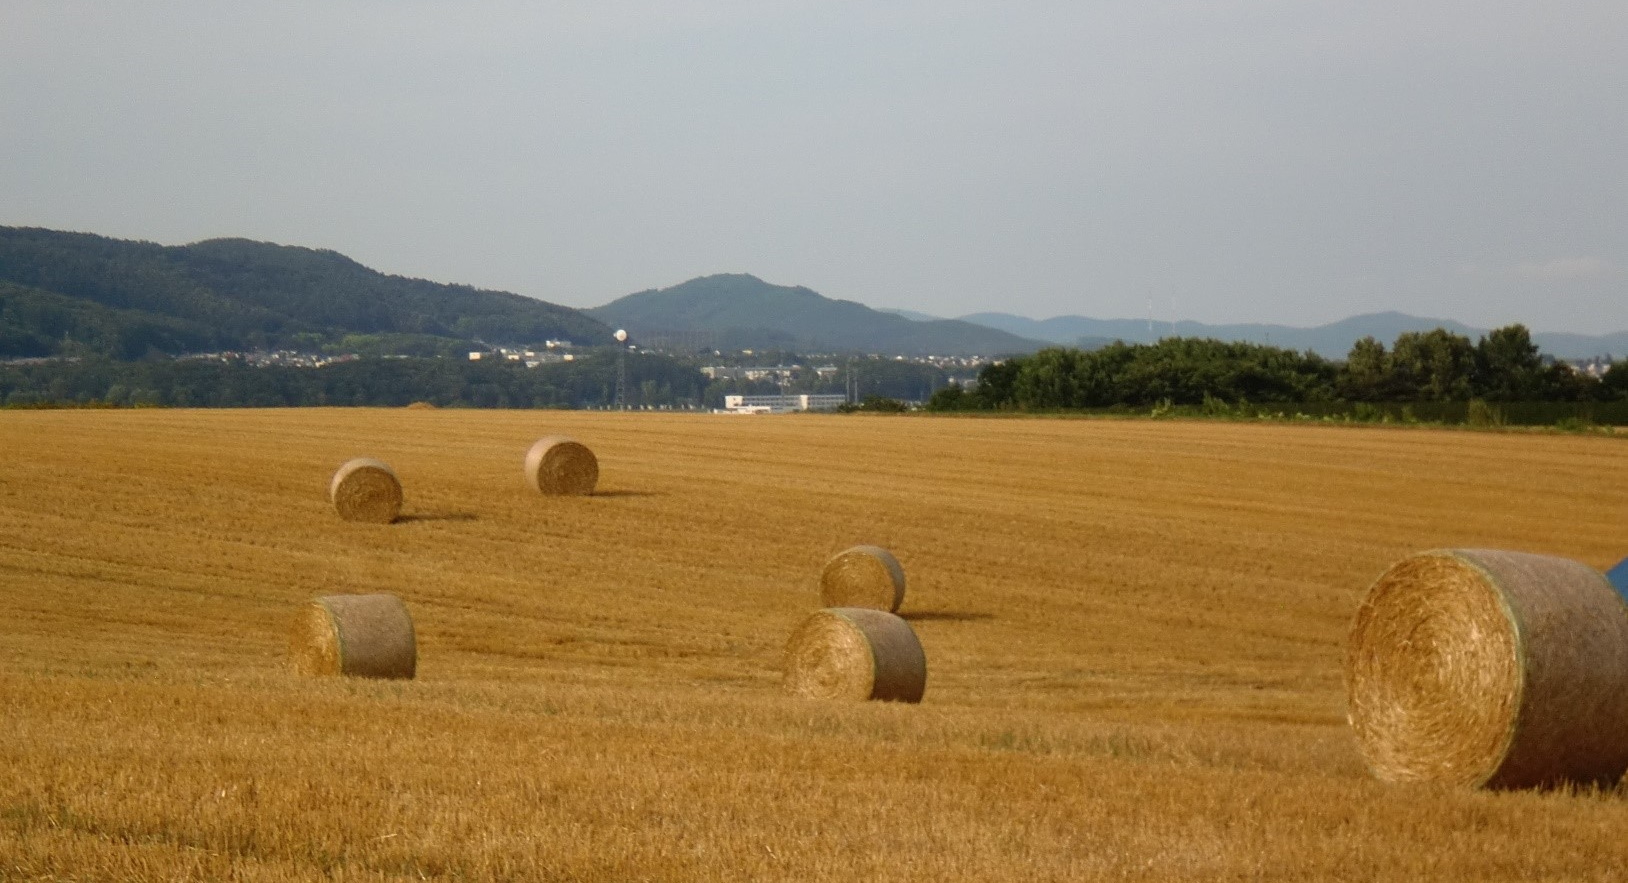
368,636
855,653
863,576
560,465
1489,668
365,489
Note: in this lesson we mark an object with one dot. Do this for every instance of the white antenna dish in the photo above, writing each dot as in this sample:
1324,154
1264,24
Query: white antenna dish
621,335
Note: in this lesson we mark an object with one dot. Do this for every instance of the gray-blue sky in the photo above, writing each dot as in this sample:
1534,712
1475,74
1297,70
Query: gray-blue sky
1240,160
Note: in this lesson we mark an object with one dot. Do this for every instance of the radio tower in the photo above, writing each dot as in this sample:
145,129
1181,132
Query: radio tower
621,370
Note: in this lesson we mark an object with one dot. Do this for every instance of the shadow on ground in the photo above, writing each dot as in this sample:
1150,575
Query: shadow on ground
946,616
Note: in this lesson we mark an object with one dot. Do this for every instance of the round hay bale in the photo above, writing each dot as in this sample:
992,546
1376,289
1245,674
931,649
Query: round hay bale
863,576
855,653
368,636
366,490
1490,669
560,465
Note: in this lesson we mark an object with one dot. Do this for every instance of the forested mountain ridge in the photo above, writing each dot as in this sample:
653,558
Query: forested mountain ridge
737,311
77,293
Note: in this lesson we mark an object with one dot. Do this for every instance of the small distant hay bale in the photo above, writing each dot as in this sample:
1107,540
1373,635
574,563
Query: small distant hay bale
855,653
558,465
863,576
421,406
1490,669
368,636
366,490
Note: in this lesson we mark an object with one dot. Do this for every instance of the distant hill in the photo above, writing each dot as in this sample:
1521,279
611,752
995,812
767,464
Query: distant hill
76,292
1333,340
912,315
1582,346
738,311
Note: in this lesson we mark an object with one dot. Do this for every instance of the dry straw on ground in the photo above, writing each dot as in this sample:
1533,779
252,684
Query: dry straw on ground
365,489
1490,668
560,465
360,635
863,576
855,653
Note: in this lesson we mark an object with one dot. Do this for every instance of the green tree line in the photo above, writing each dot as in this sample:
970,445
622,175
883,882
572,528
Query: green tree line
384,378
587,382
1420,367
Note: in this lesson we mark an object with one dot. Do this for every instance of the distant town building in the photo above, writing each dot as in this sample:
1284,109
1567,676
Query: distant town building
530,358
782,404
781,374
1595,367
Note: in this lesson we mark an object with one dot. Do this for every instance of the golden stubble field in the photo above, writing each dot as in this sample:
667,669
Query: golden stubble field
1134,634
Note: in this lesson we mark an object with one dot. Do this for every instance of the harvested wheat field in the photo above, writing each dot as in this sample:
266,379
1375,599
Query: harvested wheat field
1135,634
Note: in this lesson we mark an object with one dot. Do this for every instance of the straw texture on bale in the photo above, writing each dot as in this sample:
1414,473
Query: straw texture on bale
1490,669
560,465
855,653
365,489
367,636
863,576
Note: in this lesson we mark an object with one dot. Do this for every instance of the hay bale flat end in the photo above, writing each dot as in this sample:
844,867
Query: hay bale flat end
855,653
863,576
557,465
366,490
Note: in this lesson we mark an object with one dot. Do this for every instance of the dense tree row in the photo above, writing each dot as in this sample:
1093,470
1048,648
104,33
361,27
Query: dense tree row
588,382
1431,373
1433,366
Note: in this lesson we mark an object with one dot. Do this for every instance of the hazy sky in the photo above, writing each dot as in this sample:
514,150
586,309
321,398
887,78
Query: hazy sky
1289,161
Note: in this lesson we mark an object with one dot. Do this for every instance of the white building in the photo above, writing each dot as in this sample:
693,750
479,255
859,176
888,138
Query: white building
782,404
